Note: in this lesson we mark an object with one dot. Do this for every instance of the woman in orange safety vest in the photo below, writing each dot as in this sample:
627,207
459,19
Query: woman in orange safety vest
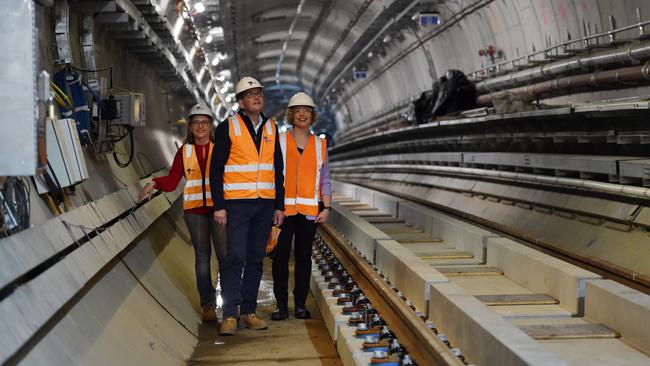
192,161
306,184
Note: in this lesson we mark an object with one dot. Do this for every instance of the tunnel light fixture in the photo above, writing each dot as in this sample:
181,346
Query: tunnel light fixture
370,54
223,90
322,135
215,62
217,31
178,27
235,108
208,39
199,7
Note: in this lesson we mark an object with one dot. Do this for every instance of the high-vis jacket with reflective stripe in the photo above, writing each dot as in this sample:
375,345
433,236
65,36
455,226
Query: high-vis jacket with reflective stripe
197,186
247,173
302,174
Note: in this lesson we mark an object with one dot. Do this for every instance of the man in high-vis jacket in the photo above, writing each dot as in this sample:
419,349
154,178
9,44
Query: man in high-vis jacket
248,193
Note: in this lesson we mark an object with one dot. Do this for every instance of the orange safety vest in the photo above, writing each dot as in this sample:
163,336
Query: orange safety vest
302,174
197,186
249,174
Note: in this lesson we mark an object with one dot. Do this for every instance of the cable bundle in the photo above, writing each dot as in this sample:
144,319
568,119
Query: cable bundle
15,192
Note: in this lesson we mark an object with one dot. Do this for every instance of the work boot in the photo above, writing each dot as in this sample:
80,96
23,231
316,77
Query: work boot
280,313
209,314
229,326
251,321
302,312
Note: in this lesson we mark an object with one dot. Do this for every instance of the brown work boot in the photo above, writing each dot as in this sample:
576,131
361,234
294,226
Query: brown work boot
229,326
209,314
253,322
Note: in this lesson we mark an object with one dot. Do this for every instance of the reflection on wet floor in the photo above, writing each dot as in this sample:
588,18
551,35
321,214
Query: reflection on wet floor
288,342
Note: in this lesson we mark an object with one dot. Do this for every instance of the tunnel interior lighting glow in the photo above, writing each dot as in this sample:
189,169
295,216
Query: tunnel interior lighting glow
235,107
178,27
199,7
215,62
208,39
223,90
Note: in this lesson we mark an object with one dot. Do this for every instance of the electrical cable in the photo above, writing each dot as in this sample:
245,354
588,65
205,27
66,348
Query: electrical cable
131,152
16,195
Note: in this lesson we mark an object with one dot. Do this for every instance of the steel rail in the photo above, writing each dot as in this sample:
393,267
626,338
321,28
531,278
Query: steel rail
422,344
622,275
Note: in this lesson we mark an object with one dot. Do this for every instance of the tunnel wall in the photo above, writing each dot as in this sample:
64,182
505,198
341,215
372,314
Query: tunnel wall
514,27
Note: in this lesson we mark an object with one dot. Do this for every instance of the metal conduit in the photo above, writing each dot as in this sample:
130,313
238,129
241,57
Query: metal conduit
628,54
596,79
575,183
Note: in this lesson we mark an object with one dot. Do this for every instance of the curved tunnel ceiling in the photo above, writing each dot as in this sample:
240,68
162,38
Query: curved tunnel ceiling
330,39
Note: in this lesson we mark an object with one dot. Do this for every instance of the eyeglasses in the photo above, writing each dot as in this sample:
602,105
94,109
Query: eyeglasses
254,94
202,123
302,109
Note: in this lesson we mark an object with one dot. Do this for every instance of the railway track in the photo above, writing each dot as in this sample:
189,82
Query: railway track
446,288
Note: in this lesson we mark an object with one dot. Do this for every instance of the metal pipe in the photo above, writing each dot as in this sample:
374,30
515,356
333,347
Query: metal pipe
575,183
595,79
628,54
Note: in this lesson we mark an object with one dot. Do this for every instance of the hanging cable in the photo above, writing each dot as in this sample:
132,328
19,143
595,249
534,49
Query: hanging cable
131,150
16,192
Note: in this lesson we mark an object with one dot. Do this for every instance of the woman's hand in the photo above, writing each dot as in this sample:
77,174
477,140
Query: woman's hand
220,216
323,216
145,192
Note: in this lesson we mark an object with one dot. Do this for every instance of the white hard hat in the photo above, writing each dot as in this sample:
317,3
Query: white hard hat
246,83
200,109
301,99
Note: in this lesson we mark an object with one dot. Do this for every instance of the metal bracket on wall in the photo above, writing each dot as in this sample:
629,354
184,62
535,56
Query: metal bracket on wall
62,32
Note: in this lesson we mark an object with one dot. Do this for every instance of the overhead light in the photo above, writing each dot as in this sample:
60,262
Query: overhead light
217,31
370,54
178,27
387,38
322,135
199,7
228,98
223,90
235,107
215,62
208,39
222,56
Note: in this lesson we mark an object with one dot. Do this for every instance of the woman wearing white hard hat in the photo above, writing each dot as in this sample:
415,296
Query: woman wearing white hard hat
192,161
306,184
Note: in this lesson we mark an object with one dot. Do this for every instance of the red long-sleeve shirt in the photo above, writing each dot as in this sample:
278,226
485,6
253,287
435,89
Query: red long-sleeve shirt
170,181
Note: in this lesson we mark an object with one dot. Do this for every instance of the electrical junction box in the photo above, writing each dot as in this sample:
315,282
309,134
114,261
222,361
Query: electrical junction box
130,110
19,111
64,154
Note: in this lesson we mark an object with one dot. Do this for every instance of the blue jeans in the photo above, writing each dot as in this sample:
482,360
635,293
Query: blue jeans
205,233
248,228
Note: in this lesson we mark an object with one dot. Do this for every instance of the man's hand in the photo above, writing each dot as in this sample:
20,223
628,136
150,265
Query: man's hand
278,217
220,216
323,216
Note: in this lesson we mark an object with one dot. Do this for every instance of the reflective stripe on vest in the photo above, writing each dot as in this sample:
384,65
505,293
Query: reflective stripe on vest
302,174
196,192
249,174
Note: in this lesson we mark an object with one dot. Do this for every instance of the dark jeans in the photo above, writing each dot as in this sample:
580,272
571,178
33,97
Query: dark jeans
248,228
304,231
205,233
